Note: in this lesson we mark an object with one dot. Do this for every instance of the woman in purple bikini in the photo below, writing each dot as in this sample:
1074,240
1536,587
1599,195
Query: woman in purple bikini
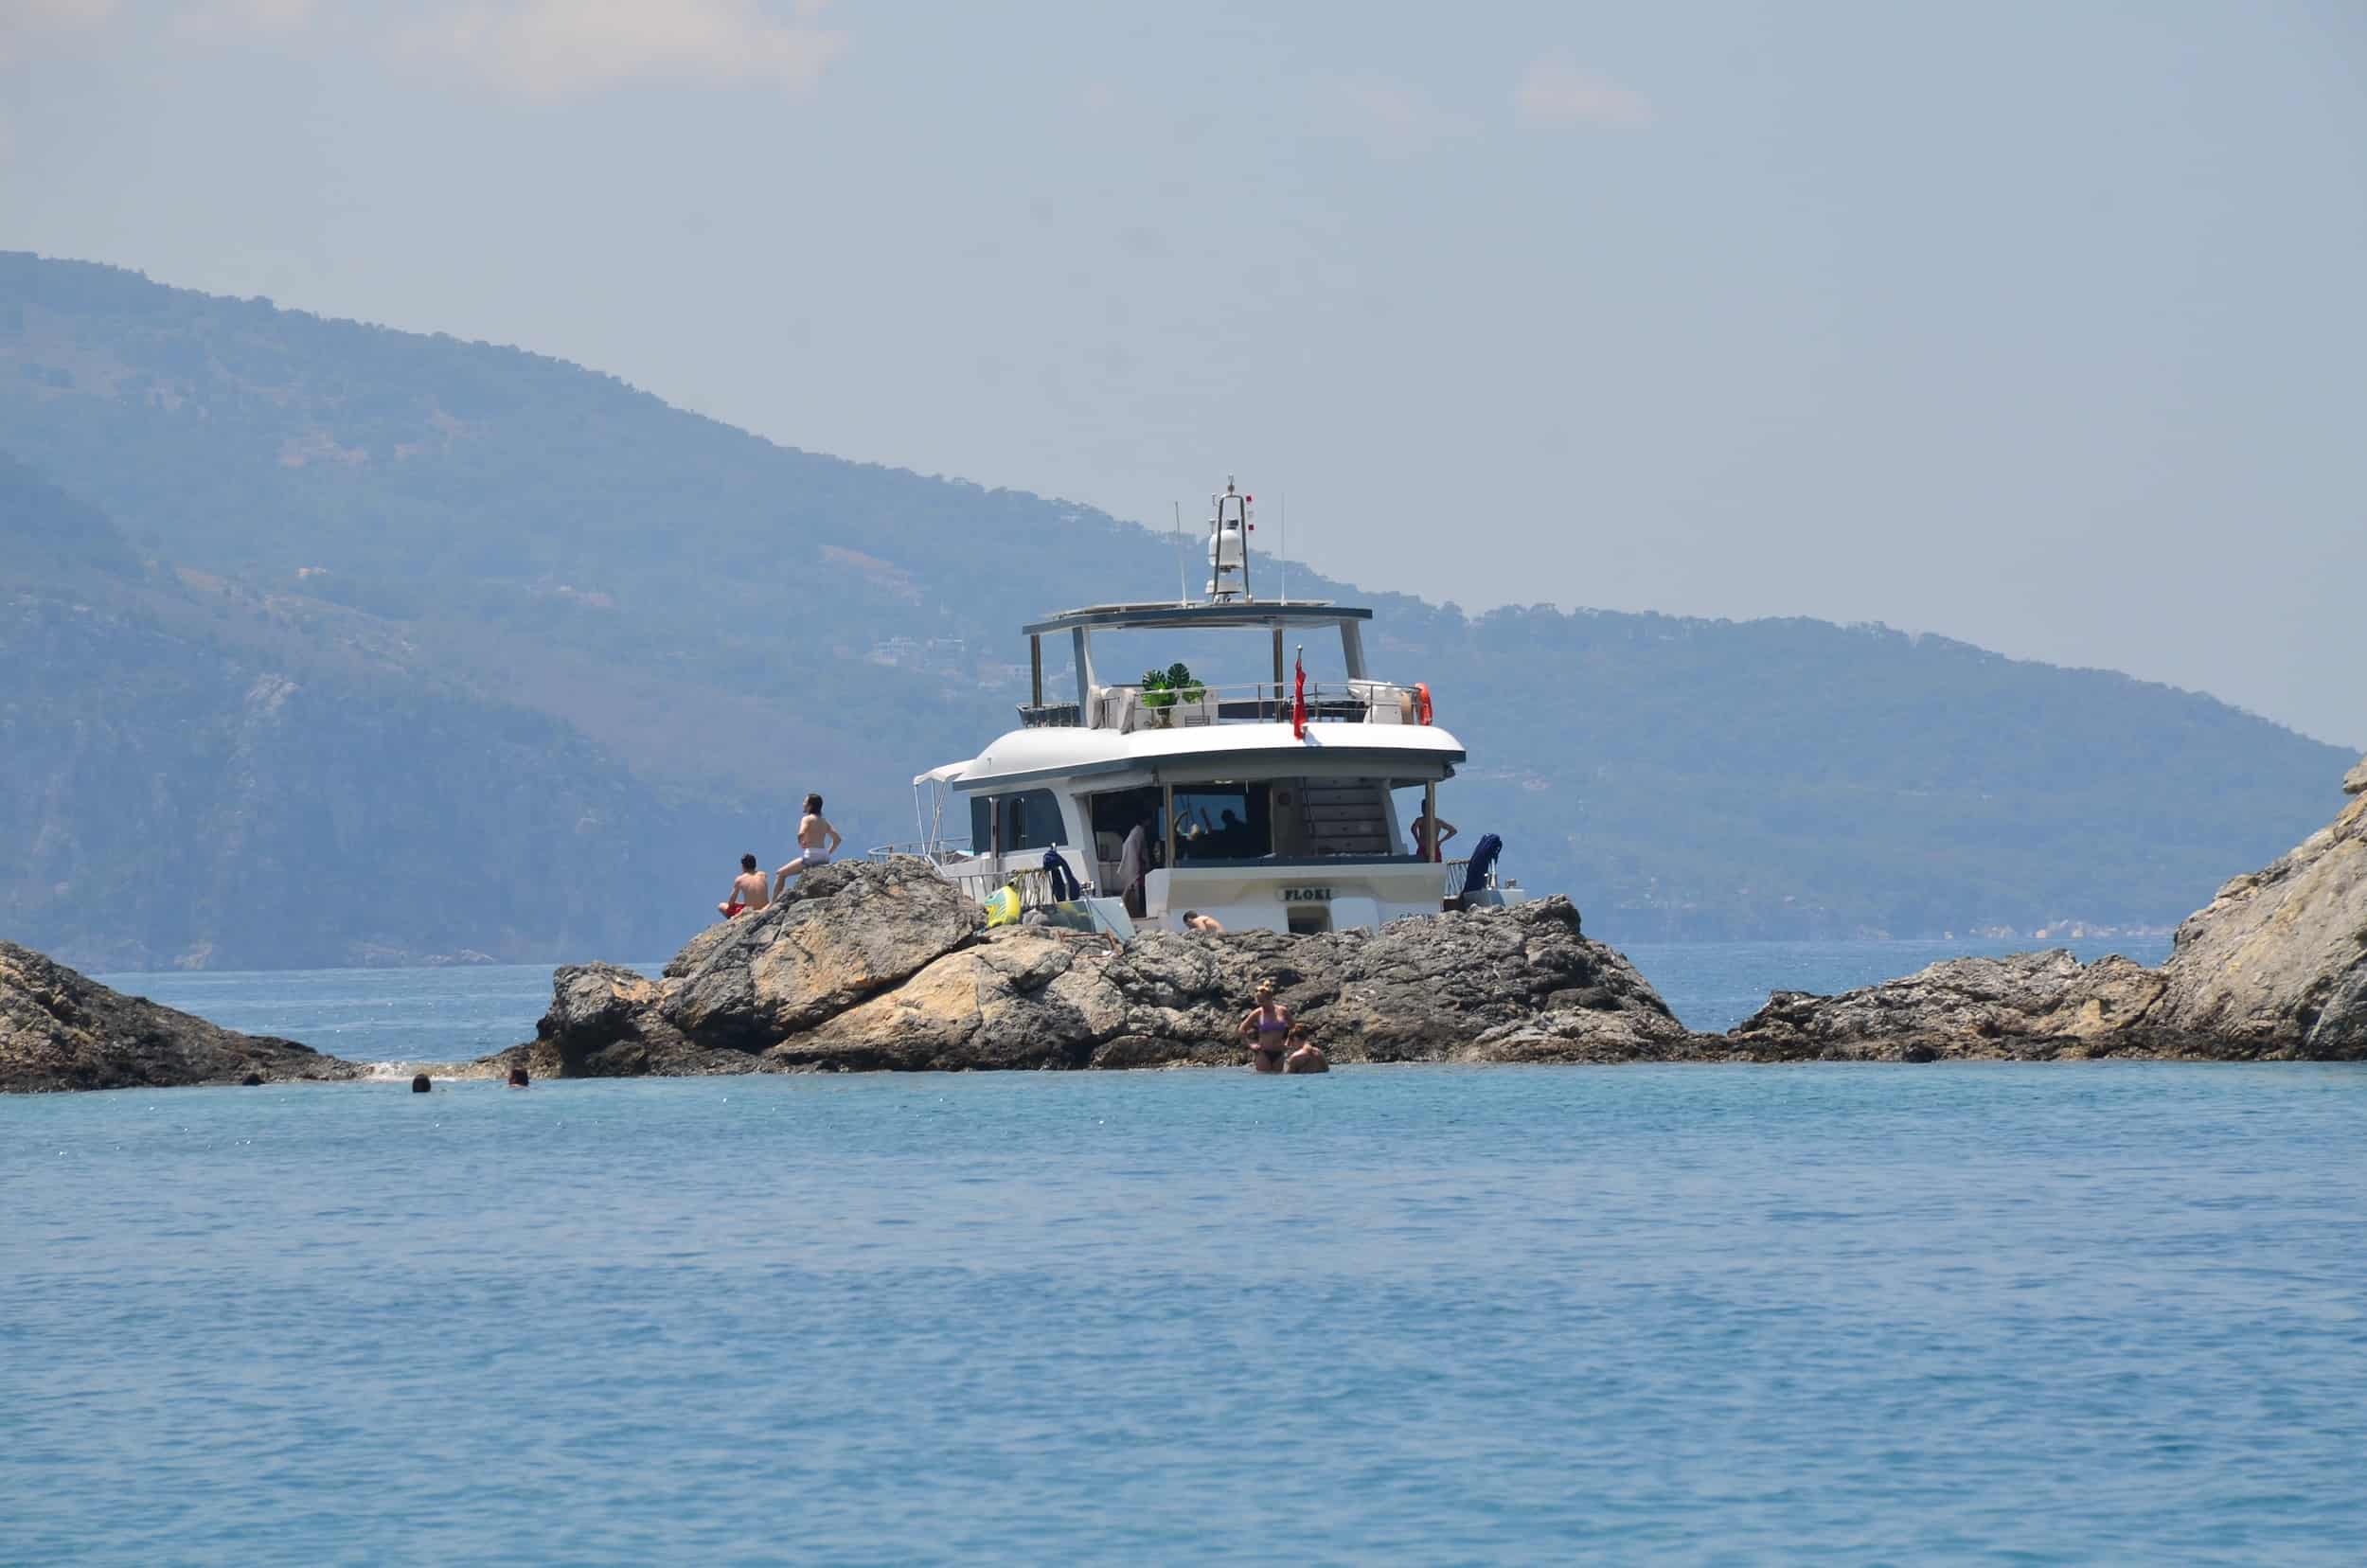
1264,1029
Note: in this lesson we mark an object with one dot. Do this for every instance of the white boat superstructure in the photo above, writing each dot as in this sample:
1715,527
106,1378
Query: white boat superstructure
1269,802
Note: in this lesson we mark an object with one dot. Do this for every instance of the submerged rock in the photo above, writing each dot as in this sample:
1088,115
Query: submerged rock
886,966
62,1030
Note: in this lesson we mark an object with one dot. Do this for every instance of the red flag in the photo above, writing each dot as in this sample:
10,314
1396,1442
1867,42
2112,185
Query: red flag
1298,700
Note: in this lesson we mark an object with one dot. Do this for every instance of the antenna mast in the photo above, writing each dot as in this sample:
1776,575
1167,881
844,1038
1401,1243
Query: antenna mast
1283,501
1182,583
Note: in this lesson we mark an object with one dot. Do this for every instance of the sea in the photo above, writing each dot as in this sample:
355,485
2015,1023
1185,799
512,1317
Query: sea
1986,1313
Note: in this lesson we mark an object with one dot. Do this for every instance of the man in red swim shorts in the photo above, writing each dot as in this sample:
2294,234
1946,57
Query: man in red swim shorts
748,891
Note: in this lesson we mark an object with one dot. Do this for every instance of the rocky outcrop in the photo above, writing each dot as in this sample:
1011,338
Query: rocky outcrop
60,1030
870,966
2030,1004
839,935
2278,960
2274,966
885,966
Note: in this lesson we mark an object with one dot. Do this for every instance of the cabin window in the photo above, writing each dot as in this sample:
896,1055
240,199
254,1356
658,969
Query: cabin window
1223,822
1030,819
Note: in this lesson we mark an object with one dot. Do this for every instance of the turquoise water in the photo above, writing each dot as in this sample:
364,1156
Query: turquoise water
1824,1314
1831,1314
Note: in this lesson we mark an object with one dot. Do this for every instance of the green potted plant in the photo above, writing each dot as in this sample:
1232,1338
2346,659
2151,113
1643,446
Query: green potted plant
1164,689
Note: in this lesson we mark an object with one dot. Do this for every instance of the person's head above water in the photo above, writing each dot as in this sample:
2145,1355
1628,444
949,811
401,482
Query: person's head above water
419,1084
518,1077
813,805
747,863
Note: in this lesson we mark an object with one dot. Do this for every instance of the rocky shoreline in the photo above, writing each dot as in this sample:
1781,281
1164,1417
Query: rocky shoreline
884,965
62,1030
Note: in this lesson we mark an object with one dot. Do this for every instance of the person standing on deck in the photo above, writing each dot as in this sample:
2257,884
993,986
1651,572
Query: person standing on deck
1133,866
1431,832
817,840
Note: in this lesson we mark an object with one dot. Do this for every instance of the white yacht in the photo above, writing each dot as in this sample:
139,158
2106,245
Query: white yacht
1271,802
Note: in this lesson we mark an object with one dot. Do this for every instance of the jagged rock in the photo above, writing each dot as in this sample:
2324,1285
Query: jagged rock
2030,1003
2274,966
62,1030
884,965
912,984
609,1022
839,935
2278,960
1426,988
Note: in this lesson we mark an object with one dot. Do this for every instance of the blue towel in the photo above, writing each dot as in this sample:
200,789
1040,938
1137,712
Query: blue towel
1066,888
1483,861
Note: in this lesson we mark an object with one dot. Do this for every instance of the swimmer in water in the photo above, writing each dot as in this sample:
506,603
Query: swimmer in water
1304,1055
1264,1029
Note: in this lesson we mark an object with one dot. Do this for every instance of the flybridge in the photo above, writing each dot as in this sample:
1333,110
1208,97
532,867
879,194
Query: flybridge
1229,607
1121,706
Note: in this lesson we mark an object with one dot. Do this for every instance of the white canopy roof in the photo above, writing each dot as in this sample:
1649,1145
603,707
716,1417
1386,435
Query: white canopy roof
940,775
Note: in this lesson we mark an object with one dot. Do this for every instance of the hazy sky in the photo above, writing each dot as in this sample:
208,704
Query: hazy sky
2038,325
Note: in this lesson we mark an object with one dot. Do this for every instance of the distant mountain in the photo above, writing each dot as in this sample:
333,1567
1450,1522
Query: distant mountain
691,627
194,774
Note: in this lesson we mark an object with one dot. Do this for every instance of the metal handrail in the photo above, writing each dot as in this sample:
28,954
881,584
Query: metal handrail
935,853
1129,708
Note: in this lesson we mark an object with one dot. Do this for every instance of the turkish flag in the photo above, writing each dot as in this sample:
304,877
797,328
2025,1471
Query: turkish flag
1298,700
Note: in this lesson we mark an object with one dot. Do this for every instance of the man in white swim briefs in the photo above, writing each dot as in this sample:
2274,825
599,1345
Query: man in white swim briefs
817,840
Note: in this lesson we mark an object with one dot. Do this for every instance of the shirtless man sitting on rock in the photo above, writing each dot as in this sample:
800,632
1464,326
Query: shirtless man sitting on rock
748,891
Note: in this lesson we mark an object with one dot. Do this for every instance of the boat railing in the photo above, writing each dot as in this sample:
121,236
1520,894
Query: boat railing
1451,885
1131,708
978,879
936,852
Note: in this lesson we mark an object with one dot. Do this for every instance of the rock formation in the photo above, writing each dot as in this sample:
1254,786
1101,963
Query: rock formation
60,1031
2028,1005
2278,959
2274,966
885,966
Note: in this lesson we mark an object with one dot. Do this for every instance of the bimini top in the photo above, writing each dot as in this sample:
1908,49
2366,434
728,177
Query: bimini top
1171,615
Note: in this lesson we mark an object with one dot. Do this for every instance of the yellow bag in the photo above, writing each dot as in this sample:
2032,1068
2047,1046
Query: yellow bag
1003,907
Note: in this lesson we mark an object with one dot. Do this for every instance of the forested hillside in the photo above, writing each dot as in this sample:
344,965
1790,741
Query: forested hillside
522,596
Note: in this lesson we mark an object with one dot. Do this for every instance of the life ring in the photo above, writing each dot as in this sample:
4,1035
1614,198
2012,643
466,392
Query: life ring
1421,700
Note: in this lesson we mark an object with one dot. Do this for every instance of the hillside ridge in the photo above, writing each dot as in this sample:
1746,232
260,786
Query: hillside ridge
726,622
